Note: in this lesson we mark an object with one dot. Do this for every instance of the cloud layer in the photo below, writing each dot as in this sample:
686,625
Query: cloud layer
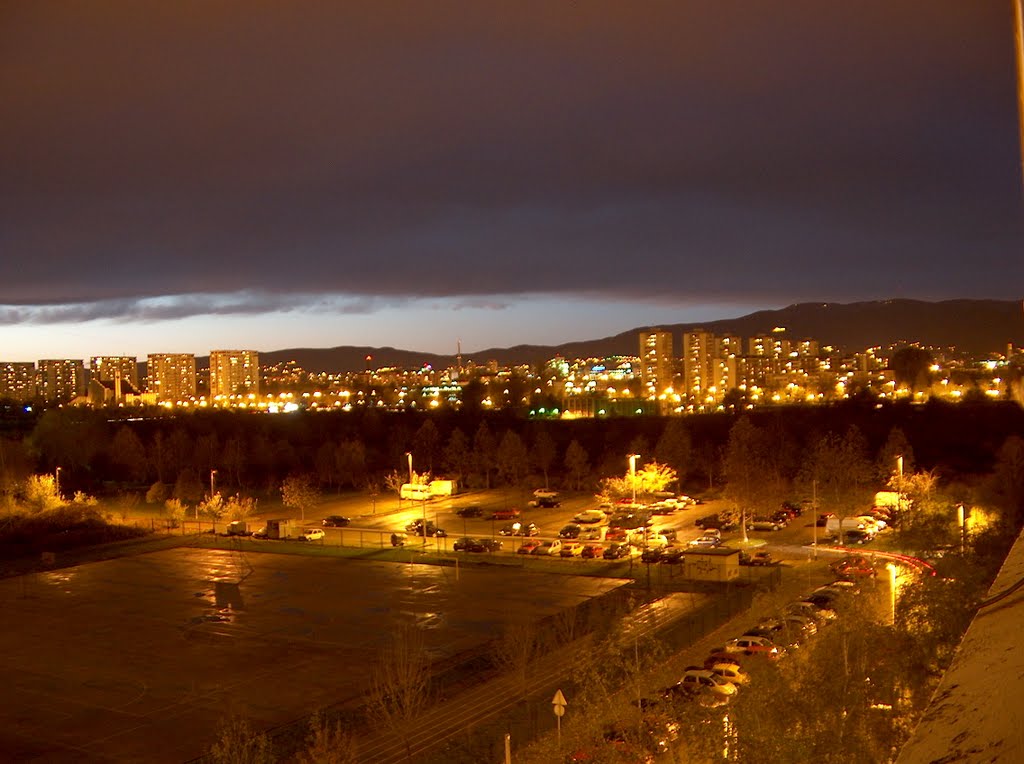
163,160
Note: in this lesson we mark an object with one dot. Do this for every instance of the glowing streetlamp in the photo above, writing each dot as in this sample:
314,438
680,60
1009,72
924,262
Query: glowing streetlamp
213,483
961,519
892,593
408,455
632,474
56,482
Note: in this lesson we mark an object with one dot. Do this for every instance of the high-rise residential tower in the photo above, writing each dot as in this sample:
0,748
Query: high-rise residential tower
234,372
60,381
657,365
171,376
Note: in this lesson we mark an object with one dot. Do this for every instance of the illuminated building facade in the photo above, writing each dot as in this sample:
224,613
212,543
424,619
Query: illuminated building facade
657,364
18,381
171,376
110,368
234,372
60,381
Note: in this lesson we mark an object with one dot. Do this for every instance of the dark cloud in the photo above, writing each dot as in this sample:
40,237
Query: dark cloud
679,149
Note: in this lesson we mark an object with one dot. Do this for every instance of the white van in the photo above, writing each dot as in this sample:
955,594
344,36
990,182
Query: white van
416,492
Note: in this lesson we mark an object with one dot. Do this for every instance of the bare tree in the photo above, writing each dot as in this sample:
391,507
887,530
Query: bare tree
328,743
514,650
237,743
400,687
577,463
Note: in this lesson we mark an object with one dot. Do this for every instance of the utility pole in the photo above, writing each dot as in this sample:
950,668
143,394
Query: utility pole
1018,36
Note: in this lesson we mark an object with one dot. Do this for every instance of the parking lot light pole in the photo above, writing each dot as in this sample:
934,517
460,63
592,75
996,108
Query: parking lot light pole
632,474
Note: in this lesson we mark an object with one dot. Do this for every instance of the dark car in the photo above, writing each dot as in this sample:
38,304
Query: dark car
335,521
654,554
489,545
823,519
757,558
671,556
416,529
714,521
470,511
570,531
854,536
466,544
616,551
592,551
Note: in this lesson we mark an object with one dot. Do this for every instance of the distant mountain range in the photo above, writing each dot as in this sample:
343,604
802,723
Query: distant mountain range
974,326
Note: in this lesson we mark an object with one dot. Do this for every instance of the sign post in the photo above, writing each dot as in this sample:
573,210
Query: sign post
558,706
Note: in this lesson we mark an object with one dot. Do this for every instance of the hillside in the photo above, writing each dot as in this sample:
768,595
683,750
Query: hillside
974,326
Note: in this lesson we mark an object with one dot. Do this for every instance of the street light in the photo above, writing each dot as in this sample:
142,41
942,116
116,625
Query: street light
213,476
632,474
961,520
56,482
408,455
892,593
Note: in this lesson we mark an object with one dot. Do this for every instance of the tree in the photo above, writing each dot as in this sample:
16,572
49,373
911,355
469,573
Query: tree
238,744
41,494
175,512
543,454
239,507
674,447
754,481
328,743
299,492
327,466
400,685
910,366
577,463
1006,485
843,473
350,457
188,489
648,480
458,458
896,445
127,452
485,450
425,444
515,649
213,507
513,459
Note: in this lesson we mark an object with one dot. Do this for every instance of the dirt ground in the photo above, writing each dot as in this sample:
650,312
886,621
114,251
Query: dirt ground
140,658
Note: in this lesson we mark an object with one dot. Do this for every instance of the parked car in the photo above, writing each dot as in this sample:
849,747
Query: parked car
618,551
528,546
570,531
466,544
764,524
335,521
706,541
572,549
730,672
810,610
261,533
520,529
616,534
756,559
545,503
490,545
752,646
416,529
312,534
588,516
671,556
471,511
545,493
652,554
505,514
707,680
823,519
592,552
721,521
550,548
593,533
858,537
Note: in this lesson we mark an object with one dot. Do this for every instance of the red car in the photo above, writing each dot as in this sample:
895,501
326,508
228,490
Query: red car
505,514
592,552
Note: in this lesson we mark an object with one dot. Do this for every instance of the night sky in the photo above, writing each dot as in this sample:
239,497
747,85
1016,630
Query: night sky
181,176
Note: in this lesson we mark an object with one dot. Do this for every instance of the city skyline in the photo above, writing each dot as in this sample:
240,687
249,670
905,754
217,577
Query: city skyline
354,176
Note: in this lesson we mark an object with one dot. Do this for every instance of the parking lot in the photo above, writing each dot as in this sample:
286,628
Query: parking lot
139,659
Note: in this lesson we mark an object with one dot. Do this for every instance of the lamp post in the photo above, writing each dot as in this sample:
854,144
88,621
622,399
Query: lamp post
632,474
892,593
814,525
213,478
56,481
408,455
961,520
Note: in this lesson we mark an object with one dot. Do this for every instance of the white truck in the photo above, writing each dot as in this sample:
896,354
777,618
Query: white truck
416,492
